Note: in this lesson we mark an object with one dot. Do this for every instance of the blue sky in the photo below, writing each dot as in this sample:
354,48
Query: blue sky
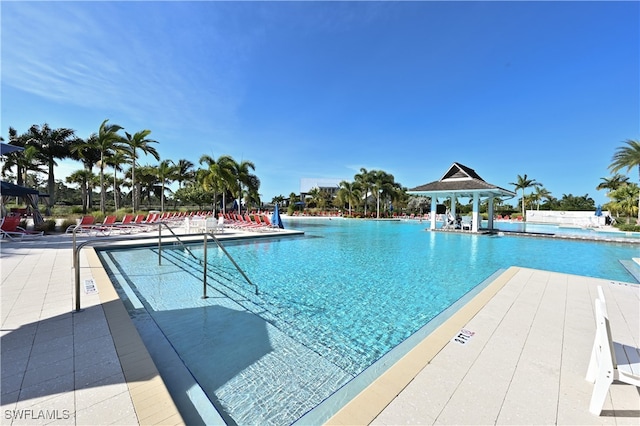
322,89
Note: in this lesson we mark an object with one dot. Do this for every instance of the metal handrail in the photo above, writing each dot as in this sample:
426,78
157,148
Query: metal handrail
78,247
224,250
177,238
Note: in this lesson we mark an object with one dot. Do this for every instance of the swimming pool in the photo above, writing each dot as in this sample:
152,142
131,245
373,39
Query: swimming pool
330,303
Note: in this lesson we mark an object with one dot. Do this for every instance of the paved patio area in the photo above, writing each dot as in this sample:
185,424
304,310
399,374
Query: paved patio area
525,364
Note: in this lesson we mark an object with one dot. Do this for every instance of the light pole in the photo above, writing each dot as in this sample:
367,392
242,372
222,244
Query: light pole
378,212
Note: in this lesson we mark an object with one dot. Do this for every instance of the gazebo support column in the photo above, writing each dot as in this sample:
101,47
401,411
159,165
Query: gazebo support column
434,204
490,210
475,219
454,201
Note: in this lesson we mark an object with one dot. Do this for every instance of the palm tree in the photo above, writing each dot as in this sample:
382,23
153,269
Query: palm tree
115,161
219,176
363,179
540,193
523,183
612,183
383,185
348,193
166,172
53,144
244,178
148,183
627,157
138,141
624,199
184,171
107,142
83,178
86,151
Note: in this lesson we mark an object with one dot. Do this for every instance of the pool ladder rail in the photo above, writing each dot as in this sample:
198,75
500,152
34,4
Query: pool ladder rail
77,247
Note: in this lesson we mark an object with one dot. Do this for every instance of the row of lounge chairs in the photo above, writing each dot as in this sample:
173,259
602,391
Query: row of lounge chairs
129,224
199,221
255,222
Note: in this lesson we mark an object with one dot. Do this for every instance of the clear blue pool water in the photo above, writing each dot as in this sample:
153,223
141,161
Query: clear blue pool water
330,304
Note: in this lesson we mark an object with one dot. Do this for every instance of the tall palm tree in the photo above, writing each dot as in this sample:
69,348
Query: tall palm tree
245,179
624,199
523,183
134,143
87,152
184,171
219,176
363,179
540,193
382,185
115,161
148,183
107,142
166,172
627,157
316,197
348,193
53,144
612,183
82,178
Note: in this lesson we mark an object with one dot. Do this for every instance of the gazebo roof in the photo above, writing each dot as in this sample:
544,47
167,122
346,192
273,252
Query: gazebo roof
463,182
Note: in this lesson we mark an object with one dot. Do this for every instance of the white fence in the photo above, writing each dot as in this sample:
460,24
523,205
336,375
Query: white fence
572,218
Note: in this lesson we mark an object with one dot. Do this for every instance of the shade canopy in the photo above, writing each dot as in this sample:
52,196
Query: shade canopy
461,181
11,190
5,148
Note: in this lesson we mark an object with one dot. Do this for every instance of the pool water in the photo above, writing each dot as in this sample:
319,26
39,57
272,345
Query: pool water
329,305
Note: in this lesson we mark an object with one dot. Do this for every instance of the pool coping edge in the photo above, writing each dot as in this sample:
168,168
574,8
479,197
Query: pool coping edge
369,403
151,400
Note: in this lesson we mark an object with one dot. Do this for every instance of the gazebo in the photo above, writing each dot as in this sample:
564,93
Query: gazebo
462,182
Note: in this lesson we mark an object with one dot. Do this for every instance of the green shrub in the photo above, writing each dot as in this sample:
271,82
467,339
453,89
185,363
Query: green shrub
67,223
628,227
98,216
48,226
76,210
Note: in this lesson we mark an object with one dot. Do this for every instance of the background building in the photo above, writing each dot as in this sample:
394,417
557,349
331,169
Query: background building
323,184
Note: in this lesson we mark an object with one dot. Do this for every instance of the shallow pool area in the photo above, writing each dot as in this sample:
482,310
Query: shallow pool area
329,304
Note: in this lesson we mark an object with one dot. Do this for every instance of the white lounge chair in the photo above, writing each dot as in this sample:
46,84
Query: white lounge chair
220,227
609,360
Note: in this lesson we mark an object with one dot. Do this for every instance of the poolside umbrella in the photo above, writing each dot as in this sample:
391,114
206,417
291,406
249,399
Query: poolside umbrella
275,218
598,213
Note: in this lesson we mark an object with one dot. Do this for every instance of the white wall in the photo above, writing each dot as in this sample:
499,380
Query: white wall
577,218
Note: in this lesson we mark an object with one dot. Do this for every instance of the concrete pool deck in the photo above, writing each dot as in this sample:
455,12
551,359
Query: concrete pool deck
525,363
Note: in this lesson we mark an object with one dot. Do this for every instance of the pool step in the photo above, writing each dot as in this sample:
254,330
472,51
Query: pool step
230,284
633,267
227,282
